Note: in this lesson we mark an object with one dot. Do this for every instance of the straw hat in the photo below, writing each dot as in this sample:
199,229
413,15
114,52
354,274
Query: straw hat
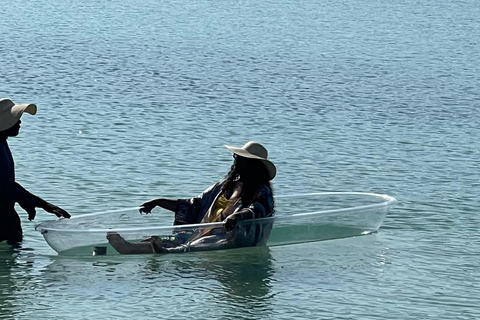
254,150
10,112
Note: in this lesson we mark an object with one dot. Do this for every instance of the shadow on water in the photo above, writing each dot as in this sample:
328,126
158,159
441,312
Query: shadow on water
14,280
241,273
7,286
237,278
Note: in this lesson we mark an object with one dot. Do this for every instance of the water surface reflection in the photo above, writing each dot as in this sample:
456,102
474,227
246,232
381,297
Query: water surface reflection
230,282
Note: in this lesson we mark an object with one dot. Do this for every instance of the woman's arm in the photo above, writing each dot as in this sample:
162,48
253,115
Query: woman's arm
29,202
187,211
243,214
167,204
261,208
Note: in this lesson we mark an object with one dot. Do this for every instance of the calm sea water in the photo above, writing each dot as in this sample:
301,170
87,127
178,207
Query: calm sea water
137,99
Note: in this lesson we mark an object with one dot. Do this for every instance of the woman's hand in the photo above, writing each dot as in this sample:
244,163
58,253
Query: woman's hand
30,209
160,202
59,212
232,220
148,206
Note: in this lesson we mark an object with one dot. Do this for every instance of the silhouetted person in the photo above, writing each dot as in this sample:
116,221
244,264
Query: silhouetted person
10,191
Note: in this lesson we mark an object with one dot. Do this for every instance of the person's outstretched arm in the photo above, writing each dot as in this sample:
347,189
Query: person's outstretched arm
167,204
30,201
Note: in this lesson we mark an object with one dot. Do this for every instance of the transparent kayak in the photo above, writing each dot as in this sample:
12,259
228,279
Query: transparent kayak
299,218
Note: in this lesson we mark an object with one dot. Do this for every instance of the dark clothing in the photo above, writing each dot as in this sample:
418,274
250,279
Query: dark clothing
247,233
7,171
193,210
10,192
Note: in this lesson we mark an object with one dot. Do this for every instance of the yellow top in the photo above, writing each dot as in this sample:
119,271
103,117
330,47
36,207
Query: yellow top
215,215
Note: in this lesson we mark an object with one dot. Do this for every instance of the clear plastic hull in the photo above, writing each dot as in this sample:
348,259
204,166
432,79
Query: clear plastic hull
299,218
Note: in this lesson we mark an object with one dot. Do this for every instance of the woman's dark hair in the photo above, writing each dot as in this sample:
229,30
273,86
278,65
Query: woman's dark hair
252,173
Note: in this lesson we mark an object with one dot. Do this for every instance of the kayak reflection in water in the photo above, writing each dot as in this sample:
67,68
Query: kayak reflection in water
245,194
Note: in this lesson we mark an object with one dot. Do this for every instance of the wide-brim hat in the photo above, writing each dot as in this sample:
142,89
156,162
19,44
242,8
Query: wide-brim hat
10,112
254,150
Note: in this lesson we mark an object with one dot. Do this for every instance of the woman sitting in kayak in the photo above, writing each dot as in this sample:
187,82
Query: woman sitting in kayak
245,194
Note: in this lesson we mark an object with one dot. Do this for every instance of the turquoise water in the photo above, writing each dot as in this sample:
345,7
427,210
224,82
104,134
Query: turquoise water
137,99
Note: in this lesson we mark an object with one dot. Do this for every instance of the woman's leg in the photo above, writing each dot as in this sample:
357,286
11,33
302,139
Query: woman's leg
124,247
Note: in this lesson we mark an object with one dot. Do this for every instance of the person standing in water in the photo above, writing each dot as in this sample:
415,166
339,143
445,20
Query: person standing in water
10,191
244,194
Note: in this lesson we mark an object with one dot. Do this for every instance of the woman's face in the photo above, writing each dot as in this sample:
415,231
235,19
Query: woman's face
241,165
13,131
250,170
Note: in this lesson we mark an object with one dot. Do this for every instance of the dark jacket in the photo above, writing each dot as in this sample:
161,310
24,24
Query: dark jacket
10,193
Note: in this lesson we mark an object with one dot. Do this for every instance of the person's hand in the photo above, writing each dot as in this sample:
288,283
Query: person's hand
30,209
59,212
148,206
232,220
31,213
